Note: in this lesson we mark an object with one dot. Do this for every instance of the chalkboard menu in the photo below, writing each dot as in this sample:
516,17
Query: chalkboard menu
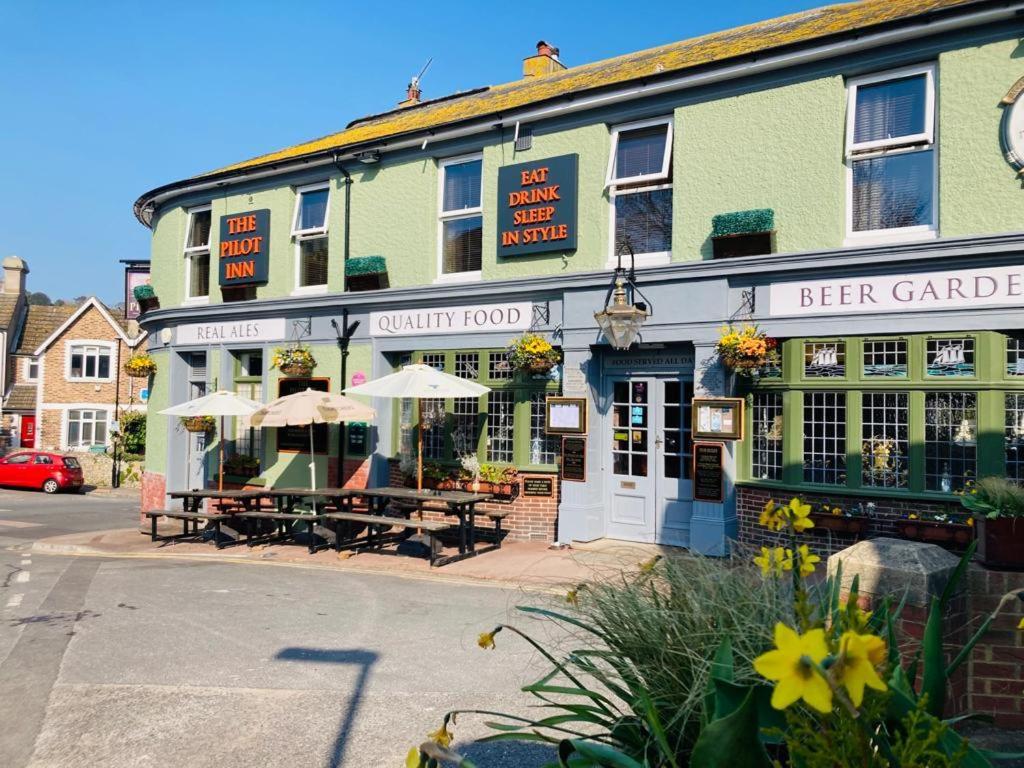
574,459
356,433
538,486
708,472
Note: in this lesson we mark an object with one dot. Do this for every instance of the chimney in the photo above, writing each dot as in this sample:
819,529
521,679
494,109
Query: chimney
15,272
412,94
544,63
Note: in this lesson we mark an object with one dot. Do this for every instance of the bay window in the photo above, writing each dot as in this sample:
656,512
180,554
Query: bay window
890,154
86,427
460,219
197,254
309,230
639,184
89,362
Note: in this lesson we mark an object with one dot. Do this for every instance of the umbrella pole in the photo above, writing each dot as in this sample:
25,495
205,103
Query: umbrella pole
419,450
312,465
220,450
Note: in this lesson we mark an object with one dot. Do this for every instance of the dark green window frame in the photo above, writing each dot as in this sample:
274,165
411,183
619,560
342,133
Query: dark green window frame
522,385
990,384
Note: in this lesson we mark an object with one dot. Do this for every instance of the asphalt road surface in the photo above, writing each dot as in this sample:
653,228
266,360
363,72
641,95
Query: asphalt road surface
154,662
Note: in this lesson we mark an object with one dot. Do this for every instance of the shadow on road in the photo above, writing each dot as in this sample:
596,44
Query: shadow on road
362,659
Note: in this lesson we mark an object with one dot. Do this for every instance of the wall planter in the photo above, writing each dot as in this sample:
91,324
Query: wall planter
743,233
856,525
956,534
199,424
367,273
1001,543
146,297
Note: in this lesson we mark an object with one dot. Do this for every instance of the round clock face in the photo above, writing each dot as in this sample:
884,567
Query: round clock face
1013,133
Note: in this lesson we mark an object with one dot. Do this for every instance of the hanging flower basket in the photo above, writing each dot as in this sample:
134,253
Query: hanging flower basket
140,366
293,361
747,350
532,353
199,424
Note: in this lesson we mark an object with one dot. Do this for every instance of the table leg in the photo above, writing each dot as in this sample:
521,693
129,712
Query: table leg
472,527
462,528
152,535
312,547
248,531
184,527
216,534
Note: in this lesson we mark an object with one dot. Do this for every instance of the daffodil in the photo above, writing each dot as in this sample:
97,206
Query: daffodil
859,655
572,597
412,760
442,736
807,560
792,665
970,522
836,511
1020,625
648,565
486,639
912,516
799,515
772,561
772,517
859,617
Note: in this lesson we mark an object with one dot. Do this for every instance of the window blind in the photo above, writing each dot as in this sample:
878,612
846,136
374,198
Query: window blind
199,274
891,109
462,186
645,218
199,232
313,255
640,152
463,245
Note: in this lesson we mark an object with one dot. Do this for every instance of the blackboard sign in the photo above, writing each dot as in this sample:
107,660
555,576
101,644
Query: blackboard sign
244,248
538,486
537,206
708,472
356,435
574,459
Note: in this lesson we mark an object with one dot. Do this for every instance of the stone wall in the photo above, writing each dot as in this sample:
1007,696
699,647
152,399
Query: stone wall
96,469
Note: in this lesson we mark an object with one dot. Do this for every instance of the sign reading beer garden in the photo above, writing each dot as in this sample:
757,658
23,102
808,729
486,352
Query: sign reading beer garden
244,248
537,206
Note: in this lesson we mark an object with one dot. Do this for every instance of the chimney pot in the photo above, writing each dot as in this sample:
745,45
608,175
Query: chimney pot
15,271
544,63
412,95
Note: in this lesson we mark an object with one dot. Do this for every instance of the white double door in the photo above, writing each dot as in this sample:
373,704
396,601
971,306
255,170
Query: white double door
649,458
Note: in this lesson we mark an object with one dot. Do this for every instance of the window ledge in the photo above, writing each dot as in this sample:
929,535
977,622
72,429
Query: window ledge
642,260
883,237
310,290
196,301
459,277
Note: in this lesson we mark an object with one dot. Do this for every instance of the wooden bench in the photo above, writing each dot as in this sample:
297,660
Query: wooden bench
280,519
186,517
377,540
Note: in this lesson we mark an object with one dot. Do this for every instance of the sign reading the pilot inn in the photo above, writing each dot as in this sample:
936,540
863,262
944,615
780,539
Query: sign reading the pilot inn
956,289
244,248
537,206
465,319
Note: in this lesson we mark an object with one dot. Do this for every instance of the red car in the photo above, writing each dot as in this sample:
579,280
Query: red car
35,469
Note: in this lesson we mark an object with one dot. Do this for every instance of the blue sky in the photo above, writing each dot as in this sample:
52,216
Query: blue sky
102,101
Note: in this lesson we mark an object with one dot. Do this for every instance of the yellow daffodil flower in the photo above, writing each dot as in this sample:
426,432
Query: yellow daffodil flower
772,517
486,639
859,655
1020,626
807,560
412,760
970,521
799,515
912,516
836,511
791,666
773,561
860,616
442,736
648,565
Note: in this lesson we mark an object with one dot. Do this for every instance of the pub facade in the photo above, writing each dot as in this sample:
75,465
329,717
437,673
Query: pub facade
845,178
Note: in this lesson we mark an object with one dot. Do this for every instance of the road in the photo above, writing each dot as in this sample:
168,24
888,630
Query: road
154,662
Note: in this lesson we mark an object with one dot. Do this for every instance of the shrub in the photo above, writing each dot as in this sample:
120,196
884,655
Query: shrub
141,292
994,497
133,432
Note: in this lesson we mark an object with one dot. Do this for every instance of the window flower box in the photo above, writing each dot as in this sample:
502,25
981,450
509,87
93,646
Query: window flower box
743,233
934,532
367,273
856,525
147,298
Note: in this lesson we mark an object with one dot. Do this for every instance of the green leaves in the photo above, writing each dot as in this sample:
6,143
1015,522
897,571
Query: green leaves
732,741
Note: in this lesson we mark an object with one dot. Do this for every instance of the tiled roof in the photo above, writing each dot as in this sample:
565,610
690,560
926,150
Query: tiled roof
8,306
798,28
40,322
22,397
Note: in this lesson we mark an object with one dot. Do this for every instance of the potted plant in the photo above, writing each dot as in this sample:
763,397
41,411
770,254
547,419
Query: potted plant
833,517
532,353
140,366
747,350
147,298
433,474
998,506
293,361
951,528
469,474
199,424
241,465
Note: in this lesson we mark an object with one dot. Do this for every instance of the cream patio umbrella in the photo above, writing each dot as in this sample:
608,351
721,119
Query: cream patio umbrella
420,382
307,408
220,403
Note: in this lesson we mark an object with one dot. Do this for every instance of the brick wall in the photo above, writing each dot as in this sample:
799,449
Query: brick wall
750,500
995,670
530,518
154,487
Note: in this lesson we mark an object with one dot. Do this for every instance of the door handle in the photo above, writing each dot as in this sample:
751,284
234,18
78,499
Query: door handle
658,441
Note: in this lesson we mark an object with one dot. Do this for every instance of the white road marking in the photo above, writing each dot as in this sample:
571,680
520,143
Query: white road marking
15,601
18,524
22,577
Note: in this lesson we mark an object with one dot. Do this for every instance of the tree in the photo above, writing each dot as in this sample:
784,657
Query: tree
38,298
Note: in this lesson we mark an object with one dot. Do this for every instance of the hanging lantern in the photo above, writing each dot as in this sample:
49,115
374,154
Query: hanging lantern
620,322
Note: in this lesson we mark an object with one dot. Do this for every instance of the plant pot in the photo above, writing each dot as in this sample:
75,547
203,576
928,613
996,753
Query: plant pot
1001,543
539,366
296,369
855,525
145,305
446,485
137,374
933,532
197,426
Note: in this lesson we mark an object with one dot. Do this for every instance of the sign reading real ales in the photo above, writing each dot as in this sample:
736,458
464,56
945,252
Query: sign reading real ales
244,247
537,206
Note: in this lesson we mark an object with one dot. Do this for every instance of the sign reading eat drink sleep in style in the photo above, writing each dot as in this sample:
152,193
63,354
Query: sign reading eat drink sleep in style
244,247
537,206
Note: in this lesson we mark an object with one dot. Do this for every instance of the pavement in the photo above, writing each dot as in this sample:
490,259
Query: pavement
115,652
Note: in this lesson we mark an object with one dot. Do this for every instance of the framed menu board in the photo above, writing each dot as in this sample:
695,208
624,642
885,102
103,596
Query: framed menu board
574,459
719,418
566,416
708,472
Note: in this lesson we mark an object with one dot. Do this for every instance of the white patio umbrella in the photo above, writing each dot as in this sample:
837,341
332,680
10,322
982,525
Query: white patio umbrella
307,408
421,382
220,403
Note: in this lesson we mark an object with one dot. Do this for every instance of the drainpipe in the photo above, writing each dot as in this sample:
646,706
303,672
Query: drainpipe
348,220
115,479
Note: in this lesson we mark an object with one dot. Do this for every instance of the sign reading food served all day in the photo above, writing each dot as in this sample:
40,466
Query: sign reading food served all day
244,247
537,206
962,288
514,316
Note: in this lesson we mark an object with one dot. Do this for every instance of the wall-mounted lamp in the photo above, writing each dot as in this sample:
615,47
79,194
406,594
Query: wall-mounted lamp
621,319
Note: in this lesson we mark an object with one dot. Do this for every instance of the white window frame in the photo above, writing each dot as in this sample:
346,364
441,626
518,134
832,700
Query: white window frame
865,150
66,426
641,260
190,252
312,233
26,366
462,213
69,347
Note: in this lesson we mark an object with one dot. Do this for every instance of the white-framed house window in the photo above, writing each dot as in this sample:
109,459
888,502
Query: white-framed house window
90,361
892,187
309,229
86,427
639,183
460,220
197,255
30,369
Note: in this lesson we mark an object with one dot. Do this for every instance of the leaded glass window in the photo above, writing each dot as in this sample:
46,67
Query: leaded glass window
1015,355
824,359
825,437
435,360
950,357
467,365
767,442
885,358
500,420
1014,436
432,416
464,425
885,445
544,448
950,440
498,366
